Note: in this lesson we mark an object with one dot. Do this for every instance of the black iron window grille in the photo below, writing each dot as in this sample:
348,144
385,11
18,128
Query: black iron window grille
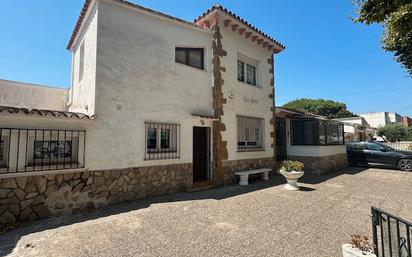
250,133
162,141
28,150
391,234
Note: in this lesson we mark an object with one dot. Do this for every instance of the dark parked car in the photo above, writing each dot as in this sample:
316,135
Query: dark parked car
377,153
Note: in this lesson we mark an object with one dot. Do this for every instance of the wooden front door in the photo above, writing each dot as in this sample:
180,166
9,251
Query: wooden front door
201,154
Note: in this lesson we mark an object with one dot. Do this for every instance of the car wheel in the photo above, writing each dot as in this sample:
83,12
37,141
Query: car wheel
405,164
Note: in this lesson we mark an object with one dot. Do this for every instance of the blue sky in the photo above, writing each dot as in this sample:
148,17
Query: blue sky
327,55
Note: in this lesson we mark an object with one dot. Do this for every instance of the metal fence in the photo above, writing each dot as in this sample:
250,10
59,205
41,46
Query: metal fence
402,145
391,234
27,150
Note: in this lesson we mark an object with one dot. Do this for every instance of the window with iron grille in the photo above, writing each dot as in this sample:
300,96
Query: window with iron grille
28,150
250,133
3,150
190,56
162,141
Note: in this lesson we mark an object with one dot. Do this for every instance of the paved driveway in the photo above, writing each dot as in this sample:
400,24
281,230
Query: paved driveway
258,220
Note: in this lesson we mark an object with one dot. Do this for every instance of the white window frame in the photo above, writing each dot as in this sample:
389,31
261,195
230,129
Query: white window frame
243,132
247,61
173,149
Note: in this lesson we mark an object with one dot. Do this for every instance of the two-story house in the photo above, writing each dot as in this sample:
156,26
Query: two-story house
156,105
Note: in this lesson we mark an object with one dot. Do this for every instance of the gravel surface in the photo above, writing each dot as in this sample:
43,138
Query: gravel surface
261,219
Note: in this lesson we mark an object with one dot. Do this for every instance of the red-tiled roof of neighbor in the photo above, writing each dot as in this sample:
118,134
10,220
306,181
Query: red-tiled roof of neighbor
219,7
43,112
86,7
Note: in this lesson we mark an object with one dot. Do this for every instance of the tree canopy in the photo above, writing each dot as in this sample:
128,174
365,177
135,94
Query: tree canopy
396,17
328,108
393,132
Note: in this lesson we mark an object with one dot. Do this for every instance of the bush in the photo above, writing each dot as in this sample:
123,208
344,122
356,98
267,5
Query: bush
393,132
289,166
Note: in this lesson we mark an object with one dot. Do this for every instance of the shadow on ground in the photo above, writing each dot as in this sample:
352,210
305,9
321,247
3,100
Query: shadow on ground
9,240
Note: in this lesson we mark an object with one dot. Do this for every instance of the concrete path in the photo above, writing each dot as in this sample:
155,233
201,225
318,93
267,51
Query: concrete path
261,219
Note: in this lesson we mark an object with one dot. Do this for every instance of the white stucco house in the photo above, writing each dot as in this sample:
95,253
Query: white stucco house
381,119
357,129
156,105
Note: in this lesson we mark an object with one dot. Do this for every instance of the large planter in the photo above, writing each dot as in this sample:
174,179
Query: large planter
292,179
349,251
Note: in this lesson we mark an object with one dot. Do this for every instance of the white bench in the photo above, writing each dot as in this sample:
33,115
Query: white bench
244,175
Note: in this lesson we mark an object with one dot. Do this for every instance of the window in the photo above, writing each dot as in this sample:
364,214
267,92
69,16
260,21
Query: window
316,132
190,56
246,70
249,133
53,151
3,151
162,141
305,132
81,62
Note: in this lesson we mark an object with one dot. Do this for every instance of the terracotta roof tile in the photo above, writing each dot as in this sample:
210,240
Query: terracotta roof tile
42,112
219,7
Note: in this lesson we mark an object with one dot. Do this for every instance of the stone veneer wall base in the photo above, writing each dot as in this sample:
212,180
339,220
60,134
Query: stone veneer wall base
34,197
232,166
324,164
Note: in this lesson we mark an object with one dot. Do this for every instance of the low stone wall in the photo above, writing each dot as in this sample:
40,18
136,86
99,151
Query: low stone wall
36,197
231,166
324,164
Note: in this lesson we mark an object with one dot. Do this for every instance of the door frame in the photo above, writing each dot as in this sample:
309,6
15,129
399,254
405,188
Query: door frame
208,161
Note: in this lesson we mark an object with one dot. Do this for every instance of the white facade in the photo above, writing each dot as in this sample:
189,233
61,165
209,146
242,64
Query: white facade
130,77
381,119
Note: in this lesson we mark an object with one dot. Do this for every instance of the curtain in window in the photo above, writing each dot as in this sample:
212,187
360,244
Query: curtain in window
250,132
241,71
251,74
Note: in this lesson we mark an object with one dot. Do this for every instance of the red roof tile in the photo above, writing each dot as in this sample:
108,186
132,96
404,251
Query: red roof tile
42,112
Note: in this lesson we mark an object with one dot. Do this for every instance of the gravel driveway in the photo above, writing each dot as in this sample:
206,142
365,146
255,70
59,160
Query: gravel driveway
261,219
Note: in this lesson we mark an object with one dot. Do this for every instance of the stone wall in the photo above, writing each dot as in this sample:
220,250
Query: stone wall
36,197
324,164
230,167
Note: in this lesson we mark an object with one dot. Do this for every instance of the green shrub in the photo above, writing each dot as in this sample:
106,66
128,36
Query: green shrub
393,132
289,166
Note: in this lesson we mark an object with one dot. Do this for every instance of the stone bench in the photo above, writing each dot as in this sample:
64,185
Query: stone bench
244,175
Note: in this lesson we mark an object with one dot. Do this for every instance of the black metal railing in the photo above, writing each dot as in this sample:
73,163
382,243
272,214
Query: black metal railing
162,141
28,150
391,234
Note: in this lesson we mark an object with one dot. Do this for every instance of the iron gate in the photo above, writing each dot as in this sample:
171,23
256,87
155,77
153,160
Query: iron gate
391,234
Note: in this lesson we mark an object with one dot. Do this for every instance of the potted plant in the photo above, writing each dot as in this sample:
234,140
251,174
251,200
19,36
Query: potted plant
359,247
292,171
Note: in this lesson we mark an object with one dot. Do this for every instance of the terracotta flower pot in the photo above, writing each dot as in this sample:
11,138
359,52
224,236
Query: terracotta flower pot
292,179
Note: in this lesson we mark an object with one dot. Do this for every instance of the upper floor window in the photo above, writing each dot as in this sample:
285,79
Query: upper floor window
81,62
246,70
190,56
162,141
249,133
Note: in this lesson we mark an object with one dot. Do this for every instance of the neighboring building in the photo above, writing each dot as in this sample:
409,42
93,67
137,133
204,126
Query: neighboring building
156,105
381,119
357,129
407,121
314,140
